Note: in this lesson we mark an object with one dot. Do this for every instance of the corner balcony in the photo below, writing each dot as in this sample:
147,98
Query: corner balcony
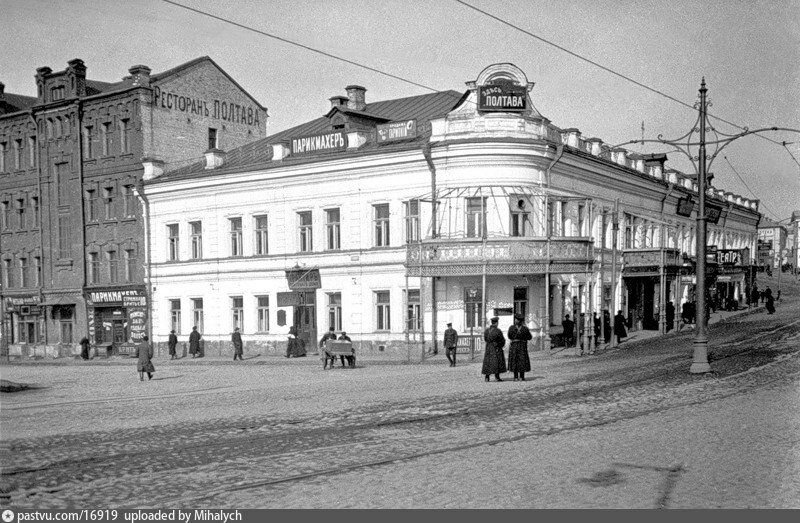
499,256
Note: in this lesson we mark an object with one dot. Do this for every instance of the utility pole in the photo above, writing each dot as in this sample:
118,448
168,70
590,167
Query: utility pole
614,235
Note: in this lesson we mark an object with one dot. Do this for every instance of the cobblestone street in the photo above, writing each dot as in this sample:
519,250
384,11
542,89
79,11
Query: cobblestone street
628,427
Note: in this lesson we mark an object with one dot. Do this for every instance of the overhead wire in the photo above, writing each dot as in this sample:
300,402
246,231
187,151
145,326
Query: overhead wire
766,207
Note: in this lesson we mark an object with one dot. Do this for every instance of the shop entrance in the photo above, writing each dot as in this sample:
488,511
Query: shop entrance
305,318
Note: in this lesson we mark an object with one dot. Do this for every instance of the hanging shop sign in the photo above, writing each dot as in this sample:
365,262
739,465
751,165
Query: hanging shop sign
393,131
302,279
336,141
502,97
713,213
685,207
730,257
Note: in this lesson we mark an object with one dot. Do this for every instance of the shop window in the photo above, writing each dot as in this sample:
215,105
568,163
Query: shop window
335,310
381,222
263,313
333,229
382,311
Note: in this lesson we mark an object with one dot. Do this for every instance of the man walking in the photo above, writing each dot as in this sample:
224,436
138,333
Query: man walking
518,360
450,343
194,343
172,342
569,331
236,339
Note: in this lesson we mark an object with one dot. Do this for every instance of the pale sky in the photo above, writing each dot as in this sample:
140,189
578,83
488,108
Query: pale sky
748,51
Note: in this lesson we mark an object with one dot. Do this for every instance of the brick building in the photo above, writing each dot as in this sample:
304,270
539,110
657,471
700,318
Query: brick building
72,249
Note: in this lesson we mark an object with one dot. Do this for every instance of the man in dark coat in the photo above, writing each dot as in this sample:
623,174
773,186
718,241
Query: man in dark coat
619,326
351,360
172,342
194,343
518,360
330,335
494,360
569,331
85,348
450,344
144,355
770,301
238,348
754,295
670,316
607,325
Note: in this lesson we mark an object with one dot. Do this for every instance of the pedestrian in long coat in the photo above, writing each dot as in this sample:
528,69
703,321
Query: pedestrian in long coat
295,348
754,295
172,342
194,342
85,348
607,325
518,360
450,344
236,339
144,353
619,326
568,327
770,301
494,360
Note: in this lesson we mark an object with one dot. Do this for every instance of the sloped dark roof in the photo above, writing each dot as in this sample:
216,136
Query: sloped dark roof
766,223
96,87
18,102
422,108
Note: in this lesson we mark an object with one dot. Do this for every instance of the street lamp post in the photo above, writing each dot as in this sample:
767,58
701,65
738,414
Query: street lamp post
686,145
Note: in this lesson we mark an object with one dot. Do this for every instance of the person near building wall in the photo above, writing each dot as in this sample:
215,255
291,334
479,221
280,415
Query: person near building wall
194,343
494,360
238,348
171,344
518,360
450,343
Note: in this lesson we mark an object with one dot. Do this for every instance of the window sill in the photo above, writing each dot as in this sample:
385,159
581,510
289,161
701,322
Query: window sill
63,263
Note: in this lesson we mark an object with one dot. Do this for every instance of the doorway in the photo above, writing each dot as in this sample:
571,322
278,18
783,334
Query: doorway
305,318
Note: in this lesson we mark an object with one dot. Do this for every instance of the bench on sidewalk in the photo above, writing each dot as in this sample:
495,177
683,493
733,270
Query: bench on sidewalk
332,349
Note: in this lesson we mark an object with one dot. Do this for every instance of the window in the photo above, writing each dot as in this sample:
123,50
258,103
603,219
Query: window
520,216
64,238
262,237
32,151
629,231
37,271
105,138
172,232
197,239
381,217
108,203
582,220
263,313
197,313
476,217
335,310
93,270
23,272
521,301
65,319
2,157
382,310
113,266
49,128
236,312
212,138
58,128
21,214
412,220
7,279
128,202
175,315
473,307
124,128
88,150
236,236
333,229
57,93
17,154
306,236
35,211
91,205
130,264
6,216
62,179
413,311
67,125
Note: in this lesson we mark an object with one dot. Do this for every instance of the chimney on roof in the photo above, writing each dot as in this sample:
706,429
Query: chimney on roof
214,158
140,75
153,168
76,73
655,162
357,99
338,101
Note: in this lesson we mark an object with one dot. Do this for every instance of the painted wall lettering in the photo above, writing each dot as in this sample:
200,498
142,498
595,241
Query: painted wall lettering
218,109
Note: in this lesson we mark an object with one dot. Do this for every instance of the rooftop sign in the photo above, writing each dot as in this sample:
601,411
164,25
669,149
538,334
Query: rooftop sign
502,97
334,141
397,131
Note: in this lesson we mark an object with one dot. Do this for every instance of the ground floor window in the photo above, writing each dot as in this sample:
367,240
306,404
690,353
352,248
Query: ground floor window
335,311
263,313
175,315
473,308
382,309
413,311
237,306
197,313
65,317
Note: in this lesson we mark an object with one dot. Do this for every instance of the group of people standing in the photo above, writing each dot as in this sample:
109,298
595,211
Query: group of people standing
494,360
600,330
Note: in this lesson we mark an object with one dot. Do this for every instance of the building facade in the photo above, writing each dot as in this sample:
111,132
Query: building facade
390,219
773,242
72,240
